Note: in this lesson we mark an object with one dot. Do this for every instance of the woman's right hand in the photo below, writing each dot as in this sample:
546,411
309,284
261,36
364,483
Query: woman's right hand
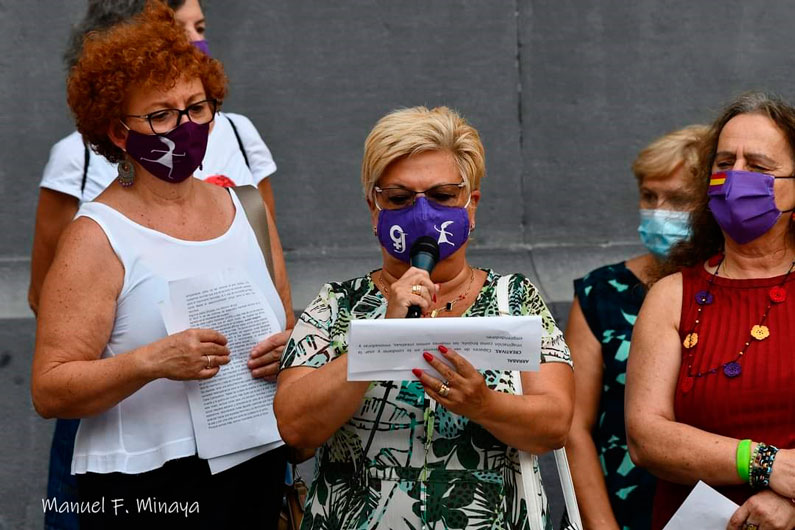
765,510
190,354
401,297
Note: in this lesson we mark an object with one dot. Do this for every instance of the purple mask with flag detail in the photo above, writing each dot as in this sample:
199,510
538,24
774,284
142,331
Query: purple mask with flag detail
743,203
399,229
172,157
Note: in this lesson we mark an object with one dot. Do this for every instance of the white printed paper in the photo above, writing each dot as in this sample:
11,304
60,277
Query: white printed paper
387,349
232,412
705,509
222,463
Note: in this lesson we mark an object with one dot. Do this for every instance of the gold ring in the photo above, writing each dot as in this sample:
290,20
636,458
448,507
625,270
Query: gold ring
750,526
416,289
443,390
209,363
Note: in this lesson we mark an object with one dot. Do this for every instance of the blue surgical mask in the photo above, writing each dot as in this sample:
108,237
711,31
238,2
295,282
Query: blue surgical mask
660,230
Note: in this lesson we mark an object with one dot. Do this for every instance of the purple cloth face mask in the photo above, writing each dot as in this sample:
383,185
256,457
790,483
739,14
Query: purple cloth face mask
203,46
743,203
172,157
399,229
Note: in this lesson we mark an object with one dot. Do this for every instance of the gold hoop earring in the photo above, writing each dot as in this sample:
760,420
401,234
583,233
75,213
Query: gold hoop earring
126,173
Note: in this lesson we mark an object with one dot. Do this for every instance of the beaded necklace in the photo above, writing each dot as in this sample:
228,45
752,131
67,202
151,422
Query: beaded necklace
759,332
448,306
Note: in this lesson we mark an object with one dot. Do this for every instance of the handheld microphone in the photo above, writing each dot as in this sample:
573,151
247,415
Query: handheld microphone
424,255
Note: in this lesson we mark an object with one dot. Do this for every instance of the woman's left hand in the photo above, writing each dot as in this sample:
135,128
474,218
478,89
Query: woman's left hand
265,356
467,393
766,510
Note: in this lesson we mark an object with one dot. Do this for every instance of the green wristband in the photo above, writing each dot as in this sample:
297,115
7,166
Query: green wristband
743,459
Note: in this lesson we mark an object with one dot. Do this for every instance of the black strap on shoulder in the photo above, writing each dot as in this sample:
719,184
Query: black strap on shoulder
86,158
239,141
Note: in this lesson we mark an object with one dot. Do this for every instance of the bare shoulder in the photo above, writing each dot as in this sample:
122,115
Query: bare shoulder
84,252
84,234
665,296
217,196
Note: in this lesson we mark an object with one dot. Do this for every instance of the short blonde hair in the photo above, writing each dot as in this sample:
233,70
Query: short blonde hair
406,132
666,154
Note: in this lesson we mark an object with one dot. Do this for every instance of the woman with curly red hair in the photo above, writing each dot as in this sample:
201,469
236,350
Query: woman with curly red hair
144,97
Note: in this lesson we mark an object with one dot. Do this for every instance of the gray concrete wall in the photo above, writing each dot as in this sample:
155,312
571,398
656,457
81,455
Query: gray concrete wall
564,93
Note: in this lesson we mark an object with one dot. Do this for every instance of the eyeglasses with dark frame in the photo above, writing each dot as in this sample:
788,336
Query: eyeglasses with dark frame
166,120
395,197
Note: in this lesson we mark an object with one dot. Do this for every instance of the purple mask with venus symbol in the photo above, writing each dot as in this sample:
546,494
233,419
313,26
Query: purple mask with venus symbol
172,157
399,229
203,46
743,203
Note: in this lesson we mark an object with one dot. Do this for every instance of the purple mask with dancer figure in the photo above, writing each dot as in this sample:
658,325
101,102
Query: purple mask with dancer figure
172,157
399,229
743,203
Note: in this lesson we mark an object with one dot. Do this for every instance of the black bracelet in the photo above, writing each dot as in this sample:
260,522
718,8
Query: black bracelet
762,466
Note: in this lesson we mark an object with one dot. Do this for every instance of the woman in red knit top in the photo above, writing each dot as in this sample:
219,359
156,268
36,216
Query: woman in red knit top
711,376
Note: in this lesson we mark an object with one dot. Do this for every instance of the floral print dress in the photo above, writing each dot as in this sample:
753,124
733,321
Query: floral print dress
402,461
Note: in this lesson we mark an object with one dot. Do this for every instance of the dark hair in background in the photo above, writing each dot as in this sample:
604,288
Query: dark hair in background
101,15
707,239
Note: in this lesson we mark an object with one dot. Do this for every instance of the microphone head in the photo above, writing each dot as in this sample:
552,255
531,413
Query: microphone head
424,253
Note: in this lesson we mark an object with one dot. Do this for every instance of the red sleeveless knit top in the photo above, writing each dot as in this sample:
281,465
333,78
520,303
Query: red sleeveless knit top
759,403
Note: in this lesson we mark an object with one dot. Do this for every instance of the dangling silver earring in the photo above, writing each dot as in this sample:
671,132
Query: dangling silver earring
471,228
375,231
126,173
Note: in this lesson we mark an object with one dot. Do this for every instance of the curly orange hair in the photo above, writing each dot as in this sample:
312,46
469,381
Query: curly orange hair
151,51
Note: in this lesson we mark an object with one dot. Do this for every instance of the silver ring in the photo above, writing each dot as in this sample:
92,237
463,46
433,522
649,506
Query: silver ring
416,289
443,390
209,363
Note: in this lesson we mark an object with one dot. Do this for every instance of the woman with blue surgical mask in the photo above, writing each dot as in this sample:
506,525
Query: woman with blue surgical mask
614,494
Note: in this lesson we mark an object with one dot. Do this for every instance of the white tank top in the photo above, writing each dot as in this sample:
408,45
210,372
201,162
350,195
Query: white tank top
153,425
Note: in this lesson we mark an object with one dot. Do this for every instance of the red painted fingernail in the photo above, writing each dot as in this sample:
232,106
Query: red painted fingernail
427,356
417,372
442,349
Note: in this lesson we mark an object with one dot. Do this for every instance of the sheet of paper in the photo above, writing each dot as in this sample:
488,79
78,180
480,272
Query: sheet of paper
705,509
222,463
387,349
232,411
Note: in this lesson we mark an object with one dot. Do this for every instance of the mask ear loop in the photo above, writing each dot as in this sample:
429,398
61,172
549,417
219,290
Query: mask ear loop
792,217
377,207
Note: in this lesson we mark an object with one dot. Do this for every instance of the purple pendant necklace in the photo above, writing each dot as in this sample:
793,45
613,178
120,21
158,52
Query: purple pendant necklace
759,332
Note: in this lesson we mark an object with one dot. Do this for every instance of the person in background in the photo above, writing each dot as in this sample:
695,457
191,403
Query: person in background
612,492
422,453
75,173
711,372
236,153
